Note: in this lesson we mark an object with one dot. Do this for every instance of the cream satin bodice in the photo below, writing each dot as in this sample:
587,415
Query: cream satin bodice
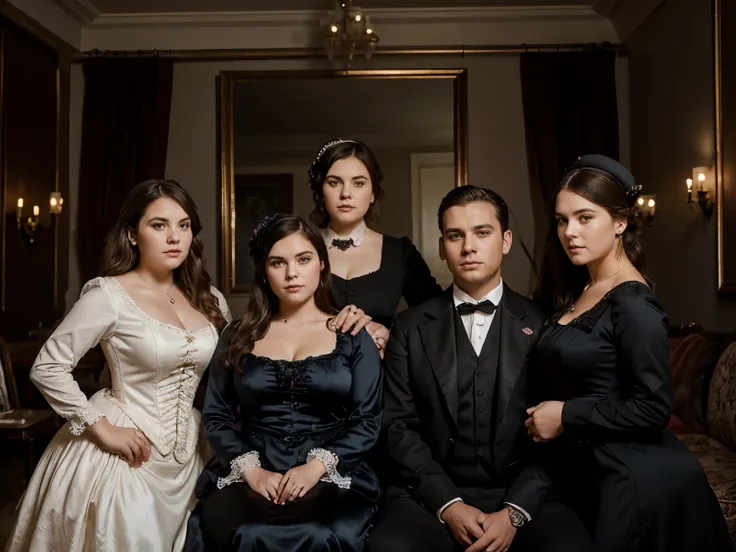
155,368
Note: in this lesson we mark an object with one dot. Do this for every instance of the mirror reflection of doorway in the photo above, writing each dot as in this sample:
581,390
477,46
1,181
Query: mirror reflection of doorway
273,123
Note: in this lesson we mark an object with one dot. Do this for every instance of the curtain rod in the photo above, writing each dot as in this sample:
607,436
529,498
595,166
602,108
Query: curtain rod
311,53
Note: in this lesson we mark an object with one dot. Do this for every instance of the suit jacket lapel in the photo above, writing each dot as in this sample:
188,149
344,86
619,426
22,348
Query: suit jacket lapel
514,346
438,339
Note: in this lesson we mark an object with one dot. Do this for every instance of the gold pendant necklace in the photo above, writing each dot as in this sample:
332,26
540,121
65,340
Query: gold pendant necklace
171,299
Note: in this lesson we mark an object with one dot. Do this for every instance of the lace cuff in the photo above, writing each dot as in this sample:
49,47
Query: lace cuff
84,417
330,460
244,462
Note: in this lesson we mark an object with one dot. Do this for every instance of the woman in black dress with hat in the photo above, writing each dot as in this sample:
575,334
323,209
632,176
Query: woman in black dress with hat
606,379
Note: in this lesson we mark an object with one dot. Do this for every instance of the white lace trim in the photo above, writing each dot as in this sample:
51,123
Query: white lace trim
244,462
84,417
330,460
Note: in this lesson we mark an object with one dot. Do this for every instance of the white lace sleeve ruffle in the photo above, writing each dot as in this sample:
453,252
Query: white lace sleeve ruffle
83,418
238,465
330,460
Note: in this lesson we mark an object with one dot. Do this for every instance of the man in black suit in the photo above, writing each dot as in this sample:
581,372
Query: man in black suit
456,395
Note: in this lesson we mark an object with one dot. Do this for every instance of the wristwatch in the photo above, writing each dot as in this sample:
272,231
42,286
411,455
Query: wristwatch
516,516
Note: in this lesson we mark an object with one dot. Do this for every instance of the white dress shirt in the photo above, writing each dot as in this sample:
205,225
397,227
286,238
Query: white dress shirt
477,325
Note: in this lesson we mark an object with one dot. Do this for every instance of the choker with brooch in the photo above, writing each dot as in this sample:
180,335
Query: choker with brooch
332,239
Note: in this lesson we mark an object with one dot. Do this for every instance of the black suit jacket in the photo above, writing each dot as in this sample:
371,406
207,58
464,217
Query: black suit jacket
421,401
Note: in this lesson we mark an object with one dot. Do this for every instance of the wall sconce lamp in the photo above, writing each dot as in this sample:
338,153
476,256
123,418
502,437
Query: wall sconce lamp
703,201
647,206
27,228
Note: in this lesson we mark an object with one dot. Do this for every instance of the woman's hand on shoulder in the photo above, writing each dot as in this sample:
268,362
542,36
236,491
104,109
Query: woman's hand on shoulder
380,335
350,317
127,442
265,483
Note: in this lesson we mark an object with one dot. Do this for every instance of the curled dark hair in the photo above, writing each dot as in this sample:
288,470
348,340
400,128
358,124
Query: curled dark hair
264,304
191,277
329,153
464,195
561,282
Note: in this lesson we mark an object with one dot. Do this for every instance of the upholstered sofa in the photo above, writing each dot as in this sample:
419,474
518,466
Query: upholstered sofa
704,410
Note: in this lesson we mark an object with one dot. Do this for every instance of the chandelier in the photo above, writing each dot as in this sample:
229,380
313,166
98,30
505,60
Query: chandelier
347,32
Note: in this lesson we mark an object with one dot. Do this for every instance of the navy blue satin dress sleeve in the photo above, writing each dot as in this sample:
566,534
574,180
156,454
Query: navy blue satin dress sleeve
220,410
278,414
364,404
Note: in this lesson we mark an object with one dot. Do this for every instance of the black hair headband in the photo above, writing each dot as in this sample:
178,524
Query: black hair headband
615,169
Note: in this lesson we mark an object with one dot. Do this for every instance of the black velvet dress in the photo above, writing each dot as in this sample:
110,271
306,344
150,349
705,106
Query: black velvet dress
282,410
634,483
403,273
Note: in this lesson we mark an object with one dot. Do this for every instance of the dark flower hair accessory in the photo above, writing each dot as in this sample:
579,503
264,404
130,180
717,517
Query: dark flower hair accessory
257,239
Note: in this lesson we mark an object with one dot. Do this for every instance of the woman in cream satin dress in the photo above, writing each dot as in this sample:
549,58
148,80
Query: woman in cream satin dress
120,475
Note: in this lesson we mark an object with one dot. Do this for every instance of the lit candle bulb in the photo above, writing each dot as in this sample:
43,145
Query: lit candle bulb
651,204
36,210
689,183
20,203
701,179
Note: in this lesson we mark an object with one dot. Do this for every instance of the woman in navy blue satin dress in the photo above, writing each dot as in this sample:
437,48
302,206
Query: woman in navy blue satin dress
291,409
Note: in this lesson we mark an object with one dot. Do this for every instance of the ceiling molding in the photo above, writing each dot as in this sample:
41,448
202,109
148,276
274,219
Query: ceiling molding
288,18
84,11
605,7
628,15
300,29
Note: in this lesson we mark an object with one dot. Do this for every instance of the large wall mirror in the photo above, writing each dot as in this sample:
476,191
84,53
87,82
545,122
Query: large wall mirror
273,123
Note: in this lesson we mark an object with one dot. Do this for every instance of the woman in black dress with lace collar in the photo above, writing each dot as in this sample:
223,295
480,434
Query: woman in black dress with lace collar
605,380
371,271
291,410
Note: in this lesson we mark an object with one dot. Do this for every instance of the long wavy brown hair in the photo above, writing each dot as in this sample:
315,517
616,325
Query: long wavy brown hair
191,277
264,304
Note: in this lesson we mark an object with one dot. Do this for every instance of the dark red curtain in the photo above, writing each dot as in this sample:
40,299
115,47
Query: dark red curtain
125,131
570,109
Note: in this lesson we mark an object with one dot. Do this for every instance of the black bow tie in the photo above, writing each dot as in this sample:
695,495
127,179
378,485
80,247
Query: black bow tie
342,245
469,308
